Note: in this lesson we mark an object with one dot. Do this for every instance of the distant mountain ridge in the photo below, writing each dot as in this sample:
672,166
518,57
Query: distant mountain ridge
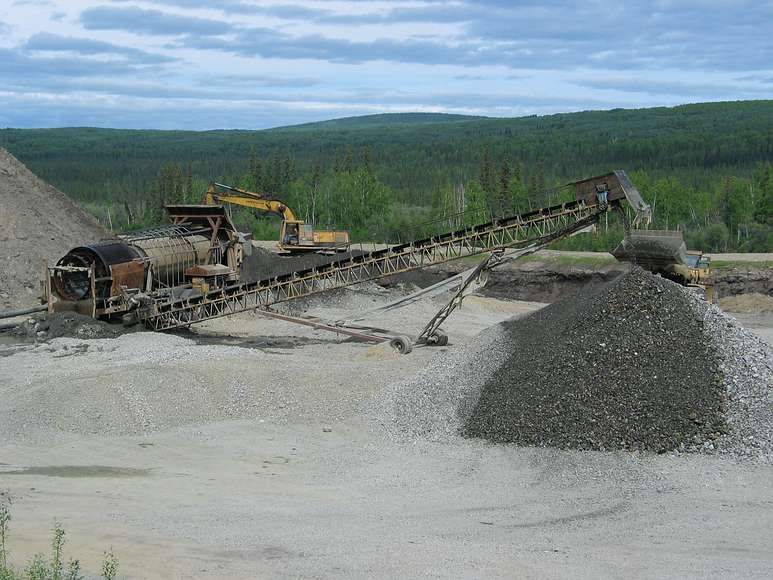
382,119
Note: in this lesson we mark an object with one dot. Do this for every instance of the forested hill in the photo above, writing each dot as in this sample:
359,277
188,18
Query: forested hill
693,142
419,157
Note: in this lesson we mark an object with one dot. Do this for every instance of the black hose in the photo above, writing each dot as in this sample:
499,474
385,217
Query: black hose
22,311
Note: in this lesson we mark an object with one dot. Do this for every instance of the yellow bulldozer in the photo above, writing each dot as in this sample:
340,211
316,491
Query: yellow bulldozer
295,236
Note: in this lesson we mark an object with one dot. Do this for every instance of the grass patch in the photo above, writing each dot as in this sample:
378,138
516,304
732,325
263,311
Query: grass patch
750,264
41,568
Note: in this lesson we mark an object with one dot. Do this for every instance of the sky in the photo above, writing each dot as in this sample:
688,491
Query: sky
250,64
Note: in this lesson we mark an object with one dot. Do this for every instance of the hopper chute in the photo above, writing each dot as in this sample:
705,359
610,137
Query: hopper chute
617,186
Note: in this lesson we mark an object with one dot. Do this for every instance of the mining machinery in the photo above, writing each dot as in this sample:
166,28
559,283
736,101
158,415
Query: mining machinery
194,269
295,236
664,252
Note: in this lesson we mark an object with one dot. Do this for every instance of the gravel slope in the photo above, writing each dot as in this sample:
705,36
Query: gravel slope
746,362
37,222
640,364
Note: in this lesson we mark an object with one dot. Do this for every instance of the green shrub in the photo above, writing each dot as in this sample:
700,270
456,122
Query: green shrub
39,568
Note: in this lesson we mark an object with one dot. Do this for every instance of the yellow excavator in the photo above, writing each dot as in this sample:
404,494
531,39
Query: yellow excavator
296,236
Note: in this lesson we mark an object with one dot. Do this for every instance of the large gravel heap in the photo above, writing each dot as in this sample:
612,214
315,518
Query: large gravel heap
627,366
640,363
37,222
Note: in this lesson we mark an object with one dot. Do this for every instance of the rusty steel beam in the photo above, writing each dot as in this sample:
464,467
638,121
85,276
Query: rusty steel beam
319,325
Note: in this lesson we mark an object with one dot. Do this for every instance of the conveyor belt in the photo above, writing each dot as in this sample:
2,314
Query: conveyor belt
167,311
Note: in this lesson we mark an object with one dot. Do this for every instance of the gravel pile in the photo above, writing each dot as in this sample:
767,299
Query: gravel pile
71,324
746,362
627,366
136,383
437,401
655,247
640,363
37,222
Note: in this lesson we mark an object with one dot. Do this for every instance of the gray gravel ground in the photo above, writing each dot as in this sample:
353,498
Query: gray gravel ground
140,383
435,403
307,487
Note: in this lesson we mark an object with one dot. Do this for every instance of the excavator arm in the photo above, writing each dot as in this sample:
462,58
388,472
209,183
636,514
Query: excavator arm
295,234
248,199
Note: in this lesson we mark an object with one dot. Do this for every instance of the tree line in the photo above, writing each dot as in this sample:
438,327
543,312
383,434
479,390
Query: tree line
733,214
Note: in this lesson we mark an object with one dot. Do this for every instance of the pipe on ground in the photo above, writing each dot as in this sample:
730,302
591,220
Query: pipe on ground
22,311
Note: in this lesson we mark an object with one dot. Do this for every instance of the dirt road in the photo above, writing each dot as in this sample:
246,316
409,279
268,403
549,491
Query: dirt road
304,485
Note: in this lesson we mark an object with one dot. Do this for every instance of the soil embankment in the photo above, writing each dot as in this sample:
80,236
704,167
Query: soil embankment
549,280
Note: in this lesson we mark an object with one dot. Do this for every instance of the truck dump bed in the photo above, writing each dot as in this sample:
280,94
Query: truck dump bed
653,250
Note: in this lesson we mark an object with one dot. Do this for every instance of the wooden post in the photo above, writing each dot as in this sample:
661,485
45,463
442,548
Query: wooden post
92,275
47,287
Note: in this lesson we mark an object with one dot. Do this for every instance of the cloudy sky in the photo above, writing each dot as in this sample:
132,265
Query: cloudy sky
203,64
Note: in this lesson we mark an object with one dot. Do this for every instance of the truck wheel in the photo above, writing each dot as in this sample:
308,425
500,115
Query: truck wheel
402,344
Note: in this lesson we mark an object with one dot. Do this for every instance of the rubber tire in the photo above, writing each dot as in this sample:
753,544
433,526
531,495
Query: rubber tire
402,344
439,338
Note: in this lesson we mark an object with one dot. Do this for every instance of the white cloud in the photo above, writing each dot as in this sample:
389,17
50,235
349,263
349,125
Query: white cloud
240,63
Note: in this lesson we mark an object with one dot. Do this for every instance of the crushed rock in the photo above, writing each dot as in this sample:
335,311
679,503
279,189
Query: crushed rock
626,366
436,402
746,362
68,324
716,397
132,384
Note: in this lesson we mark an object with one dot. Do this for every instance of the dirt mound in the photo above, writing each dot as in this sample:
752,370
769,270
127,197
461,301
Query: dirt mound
627,366
752,303
37,222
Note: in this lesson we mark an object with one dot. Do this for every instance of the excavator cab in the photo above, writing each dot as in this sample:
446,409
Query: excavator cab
290,234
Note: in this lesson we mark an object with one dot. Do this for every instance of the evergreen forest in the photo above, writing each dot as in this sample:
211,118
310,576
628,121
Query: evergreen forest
706,169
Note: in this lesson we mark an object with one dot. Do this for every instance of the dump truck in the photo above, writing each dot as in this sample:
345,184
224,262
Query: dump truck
664,252
295,236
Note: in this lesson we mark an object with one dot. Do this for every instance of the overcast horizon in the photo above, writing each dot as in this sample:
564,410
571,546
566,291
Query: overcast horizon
182,64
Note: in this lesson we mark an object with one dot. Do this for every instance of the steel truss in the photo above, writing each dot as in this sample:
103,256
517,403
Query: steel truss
164,312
